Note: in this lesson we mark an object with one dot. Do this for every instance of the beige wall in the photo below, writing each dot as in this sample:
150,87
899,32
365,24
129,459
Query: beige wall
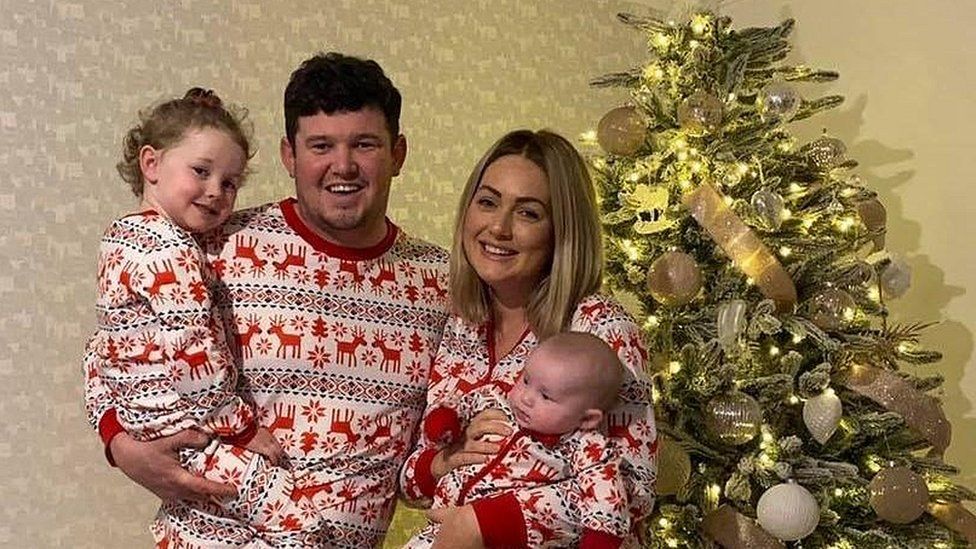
74,73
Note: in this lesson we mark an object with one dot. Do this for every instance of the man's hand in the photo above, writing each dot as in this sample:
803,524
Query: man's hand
459,528
155,466
471,449
267,445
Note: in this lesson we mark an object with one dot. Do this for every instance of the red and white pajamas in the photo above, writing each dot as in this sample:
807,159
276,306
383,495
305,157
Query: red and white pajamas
335,346
528,459
545,515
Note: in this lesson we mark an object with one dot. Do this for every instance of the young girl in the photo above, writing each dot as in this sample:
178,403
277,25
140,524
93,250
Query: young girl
159,345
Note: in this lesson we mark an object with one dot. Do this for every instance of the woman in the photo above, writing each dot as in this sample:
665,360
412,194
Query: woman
527,263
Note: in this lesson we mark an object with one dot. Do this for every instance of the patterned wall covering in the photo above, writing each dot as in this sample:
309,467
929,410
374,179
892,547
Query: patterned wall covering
74,75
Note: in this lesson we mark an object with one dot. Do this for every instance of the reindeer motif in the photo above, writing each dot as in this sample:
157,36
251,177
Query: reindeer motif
618,428
247,251
125,275
291,259
163,275
391,355
349,348
594,310
382,430
343,426
348,500
286,340
244,338
284,417
540,473
310,491
149,347
352,268
194,361
386,274
638,345
430,281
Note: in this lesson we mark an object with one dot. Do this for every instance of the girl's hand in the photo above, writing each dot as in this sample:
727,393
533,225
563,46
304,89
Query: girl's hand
155,465
267,445
471,449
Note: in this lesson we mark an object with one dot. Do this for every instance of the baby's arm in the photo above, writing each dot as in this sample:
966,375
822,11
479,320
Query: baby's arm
603,496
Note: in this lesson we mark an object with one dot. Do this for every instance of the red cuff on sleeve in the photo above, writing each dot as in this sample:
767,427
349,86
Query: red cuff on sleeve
442,425
242,438
108,428
501,522
423,476
596,539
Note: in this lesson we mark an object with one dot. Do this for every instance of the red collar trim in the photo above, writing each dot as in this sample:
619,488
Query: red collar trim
548,441
342,252
490,339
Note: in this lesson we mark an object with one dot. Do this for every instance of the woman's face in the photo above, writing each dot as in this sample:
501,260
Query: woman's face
507,232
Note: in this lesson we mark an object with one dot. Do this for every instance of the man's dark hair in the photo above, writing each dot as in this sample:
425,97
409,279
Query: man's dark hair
333,82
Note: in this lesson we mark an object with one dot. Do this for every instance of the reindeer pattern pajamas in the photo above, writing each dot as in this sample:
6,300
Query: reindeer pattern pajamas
528,459
547,515
335,347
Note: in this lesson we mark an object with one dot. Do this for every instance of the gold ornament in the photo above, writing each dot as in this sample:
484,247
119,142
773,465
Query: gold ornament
825,152
729,528
700,113
647,205
674,279
621,131
769,206
832,309
788,511
874,217
898,495
778,101
673,467
733,418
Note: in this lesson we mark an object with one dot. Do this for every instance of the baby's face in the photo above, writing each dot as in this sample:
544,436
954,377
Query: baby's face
548,399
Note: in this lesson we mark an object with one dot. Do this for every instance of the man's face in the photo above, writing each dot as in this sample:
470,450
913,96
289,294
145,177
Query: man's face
342,164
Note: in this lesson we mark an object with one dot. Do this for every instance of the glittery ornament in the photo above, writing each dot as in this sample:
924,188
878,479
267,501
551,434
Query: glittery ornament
674,278
673,467
731,321
821,415
788,511
832,309
769,207
895,278
733,418
874,217
898,495
825,152
700,113
621,131
778,101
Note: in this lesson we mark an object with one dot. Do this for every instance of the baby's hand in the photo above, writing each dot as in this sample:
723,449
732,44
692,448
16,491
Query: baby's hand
265,444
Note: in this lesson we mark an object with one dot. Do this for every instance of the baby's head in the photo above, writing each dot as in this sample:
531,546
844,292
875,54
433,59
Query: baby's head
187,158
569,381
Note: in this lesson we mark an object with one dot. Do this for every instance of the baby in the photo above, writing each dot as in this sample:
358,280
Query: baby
556,407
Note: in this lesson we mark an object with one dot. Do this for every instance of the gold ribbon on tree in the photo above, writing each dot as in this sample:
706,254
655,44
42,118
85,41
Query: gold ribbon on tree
922,412
955,517
748,252
732,530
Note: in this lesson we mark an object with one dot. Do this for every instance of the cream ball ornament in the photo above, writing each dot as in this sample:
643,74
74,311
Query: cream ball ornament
788,511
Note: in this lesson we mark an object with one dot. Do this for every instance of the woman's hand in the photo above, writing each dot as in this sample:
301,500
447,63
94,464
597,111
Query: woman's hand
471,449
155,465
267,445
459,528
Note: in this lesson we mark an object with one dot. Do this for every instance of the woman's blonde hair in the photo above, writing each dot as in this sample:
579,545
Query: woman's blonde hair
577,259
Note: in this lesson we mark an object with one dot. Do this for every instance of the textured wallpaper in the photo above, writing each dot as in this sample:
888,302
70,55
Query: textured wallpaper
74,75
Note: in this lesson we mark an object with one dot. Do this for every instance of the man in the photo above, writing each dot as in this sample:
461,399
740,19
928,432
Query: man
337,314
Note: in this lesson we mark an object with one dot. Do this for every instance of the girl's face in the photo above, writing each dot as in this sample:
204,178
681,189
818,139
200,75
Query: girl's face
194,181
507,233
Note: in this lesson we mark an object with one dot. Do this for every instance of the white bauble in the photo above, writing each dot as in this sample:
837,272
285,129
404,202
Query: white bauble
788,511
821,415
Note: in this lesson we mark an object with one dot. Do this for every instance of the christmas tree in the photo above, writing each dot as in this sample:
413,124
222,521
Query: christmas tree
791,410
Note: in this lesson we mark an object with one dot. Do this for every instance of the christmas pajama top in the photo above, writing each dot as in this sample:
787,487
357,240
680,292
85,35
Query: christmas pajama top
335,346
